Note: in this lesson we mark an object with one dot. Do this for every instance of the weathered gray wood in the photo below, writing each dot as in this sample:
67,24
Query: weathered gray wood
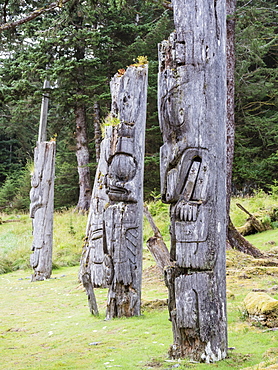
87,283
161,254
112,254
123,217
44,109
150,219
255,222
83,159
93,260
156,244
41,209
192,114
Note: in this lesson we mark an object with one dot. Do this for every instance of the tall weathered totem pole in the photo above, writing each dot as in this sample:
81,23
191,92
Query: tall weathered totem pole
112,254
42,200
192,114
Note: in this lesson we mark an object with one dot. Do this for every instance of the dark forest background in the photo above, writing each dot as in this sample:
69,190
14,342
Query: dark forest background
78,47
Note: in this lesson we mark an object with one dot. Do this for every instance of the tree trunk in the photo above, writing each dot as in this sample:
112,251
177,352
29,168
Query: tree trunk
123,216
234,238
44,109
41,209
192,114
86,281
230,54
238,242
82,155
82,151
97,130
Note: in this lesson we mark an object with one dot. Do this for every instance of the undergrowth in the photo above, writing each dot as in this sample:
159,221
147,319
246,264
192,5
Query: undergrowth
70,227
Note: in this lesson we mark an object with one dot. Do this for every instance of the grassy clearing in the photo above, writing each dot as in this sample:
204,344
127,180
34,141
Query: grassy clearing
47,325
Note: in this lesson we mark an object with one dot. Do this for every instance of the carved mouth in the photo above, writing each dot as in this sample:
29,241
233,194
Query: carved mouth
117,190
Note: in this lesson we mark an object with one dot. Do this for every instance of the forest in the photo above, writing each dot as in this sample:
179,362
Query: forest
78,46
222,303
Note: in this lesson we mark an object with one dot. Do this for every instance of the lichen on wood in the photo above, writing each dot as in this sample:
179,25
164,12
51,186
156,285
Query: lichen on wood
123,216
192,115
112,254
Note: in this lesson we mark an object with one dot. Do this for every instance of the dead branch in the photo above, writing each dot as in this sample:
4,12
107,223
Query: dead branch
36,13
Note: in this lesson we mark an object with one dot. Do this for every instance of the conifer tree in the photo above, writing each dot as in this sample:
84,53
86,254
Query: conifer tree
78,48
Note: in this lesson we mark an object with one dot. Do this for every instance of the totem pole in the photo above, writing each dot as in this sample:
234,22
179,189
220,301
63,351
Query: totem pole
123,218
94,264
192,115
42,199
112,255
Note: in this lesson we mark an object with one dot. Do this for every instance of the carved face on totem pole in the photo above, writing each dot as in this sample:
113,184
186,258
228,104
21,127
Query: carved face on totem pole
122,165
122,183
186,165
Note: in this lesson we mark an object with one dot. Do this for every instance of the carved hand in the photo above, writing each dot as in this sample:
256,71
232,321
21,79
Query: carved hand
186,210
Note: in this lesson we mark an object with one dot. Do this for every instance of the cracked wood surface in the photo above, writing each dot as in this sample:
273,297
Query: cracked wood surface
192,116
112,254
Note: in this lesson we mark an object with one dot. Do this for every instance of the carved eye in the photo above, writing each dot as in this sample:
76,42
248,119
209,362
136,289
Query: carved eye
123,167
181,116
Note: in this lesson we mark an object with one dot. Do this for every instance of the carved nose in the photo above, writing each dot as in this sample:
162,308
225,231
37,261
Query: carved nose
123,167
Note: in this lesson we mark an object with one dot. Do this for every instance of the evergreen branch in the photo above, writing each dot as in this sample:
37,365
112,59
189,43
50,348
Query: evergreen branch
166,4
243,6
6,115
36,13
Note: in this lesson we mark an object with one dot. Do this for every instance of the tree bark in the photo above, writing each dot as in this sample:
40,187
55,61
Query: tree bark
81,135
42,208
86,281
43,117
97,130
234,238
230,55
192,115
82,155
238,242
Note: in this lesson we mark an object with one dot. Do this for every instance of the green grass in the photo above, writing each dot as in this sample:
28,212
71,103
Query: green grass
47,325
70,227
261,201
265,240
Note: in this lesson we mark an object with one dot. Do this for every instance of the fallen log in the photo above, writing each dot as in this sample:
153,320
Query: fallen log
238,242
5,221
252,225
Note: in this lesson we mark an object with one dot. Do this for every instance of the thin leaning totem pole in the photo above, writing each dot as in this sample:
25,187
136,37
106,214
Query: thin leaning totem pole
192,115
42,199
112,255
94,264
